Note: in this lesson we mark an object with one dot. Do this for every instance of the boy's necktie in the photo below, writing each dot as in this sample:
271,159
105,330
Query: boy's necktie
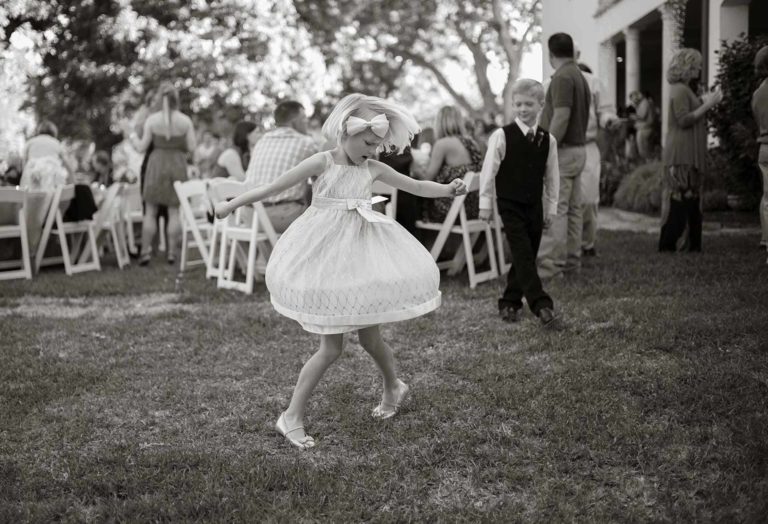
530,135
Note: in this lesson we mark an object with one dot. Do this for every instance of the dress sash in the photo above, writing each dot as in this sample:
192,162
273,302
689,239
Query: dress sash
363,206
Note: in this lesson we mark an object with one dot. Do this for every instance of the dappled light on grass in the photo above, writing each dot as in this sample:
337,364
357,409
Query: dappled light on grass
150,403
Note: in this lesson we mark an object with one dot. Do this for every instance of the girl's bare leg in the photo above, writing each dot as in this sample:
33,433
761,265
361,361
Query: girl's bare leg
330,349
374,345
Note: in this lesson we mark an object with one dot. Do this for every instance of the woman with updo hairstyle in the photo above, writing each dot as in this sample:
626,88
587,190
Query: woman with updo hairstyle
172,136
453,155
685,153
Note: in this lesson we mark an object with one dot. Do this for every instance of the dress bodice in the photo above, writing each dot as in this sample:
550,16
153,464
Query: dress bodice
343,181
177,142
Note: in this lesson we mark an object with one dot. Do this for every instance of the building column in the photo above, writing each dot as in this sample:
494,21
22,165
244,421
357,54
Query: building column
607,70
670,43
632,61
727,20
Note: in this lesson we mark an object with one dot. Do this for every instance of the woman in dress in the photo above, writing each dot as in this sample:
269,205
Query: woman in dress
233,161
453,155
684,153
44,166
172,136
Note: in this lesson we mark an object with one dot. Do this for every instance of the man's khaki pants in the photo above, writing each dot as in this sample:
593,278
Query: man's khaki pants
560,248
590,194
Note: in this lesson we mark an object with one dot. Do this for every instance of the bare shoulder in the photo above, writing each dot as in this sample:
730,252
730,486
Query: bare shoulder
185,119
445,143
154,119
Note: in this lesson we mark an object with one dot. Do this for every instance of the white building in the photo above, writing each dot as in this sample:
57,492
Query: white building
628,43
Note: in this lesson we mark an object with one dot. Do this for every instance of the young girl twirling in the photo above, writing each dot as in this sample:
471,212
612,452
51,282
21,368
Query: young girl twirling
341,266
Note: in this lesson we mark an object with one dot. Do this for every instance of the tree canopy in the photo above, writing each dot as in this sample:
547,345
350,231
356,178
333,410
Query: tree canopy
435,36
89,62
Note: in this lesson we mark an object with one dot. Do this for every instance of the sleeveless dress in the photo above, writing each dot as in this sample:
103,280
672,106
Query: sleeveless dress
166,164
435,210
341,267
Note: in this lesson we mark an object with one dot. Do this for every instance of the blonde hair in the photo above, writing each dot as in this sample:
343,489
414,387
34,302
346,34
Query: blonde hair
685,65
449,122
170,99
402,126
529,87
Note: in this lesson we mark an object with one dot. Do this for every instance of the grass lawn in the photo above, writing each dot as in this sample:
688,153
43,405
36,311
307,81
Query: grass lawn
126,396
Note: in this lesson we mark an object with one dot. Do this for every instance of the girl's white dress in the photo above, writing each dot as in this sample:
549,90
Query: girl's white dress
341,267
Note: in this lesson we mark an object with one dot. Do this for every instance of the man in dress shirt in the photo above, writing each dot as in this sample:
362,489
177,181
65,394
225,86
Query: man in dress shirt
602,115
521,165
565,116
275,153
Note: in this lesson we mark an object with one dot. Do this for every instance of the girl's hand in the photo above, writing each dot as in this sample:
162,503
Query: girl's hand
222,209
457,187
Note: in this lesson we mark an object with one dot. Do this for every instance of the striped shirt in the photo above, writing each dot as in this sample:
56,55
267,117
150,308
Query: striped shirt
275,153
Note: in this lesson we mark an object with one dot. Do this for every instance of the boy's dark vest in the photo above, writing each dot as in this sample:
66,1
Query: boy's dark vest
521,173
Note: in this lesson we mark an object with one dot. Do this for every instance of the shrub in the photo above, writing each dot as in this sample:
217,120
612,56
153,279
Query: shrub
732,119
640,190
717,182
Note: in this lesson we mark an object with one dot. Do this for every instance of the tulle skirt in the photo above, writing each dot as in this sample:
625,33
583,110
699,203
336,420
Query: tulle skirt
333,272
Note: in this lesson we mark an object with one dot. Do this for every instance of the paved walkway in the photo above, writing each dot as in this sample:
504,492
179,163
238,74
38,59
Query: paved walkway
613,219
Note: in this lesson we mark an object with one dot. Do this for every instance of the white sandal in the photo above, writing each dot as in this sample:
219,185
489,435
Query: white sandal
386,410
304,442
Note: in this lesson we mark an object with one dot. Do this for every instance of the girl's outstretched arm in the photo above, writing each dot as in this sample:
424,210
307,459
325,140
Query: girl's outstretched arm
422,188
308,167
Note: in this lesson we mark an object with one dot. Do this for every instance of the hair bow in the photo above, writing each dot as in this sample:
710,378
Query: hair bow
378,124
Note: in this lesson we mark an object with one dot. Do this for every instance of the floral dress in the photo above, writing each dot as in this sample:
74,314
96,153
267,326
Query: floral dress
435,210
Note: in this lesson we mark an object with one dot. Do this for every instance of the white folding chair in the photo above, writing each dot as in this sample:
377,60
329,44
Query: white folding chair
498,228
108,220
54,224
193,205
17,198
222,190
215,192
253,228
470,231
380,188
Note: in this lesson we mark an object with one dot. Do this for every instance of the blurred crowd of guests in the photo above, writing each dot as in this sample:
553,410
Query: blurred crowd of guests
159,144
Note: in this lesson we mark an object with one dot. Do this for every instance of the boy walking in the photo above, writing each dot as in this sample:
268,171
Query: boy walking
521,163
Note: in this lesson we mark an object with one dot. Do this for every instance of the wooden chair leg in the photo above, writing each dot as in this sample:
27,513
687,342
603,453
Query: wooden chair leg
64,247
222,257
212,270
94,247
26,263
184,247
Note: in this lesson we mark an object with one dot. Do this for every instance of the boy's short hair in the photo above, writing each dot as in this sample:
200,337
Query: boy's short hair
529,87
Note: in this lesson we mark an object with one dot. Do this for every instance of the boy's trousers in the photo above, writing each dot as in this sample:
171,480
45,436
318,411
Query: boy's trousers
523,225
